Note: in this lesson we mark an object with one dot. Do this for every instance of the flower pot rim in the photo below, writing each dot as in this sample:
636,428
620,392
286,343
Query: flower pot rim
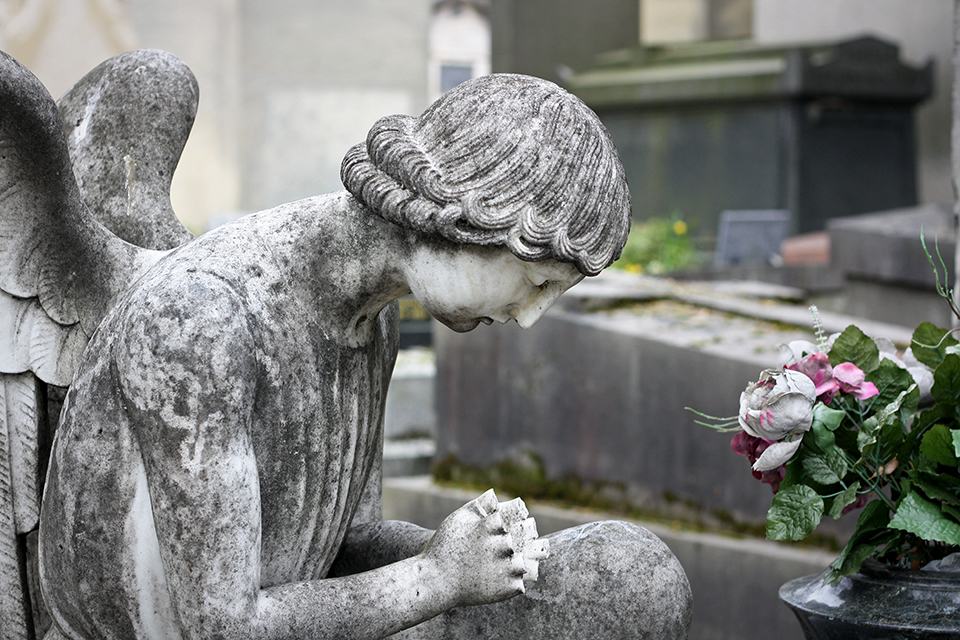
933,597
874,570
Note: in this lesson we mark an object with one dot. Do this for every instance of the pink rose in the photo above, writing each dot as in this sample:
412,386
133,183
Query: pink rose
817,367
852,380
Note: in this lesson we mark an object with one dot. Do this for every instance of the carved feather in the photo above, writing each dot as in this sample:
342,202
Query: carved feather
14,603
127,122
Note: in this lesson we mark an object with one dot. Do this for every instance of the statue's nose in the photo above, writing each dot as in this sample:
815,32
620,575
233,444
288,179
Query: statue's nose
529,313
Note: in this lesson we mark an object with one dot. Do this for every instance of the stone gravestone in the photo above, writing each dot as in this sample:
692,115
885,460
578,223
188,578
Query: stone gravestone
750,235
215,469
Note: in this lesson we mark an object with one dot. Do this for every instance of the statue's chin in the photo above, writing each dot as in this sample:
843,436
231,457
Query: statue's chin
462,326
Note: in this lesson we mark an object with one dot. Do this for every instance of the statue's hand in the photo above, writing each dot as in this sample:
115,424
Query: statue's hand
523,531
483,547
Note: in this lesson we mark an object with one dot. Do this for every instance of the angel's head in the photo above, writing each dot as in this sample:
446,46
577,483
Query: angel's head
502,160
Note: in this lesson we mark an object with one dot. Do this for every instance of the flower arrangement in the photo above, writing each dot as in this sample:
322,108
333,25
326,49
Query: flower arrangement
847,424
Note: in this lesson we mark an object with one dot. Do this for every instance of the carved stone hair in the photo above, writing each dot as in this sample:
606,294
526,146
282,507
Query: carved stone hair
504,160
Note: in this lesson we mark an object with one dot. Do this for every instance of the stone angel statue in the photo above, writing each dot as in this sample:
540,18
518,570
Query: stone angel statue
215,468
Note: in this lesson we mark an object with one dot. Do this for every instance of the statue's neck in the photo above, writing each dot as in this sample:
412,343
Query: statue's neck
343,261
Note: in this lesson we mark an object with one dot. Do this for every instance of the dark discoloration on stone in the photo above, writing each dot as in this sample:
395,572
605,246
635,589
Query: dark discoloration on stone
219,452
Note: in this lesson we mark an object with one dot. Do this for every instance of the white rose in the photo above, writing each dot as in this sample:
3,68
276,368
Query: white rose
778,407
794,351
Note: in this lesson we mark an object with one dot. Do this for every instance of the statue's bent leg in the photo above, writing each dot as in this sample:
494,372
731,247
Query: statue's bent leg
603,580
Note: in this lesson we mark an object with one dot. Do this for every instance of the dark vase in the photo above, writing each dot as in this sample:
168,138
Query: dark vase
878,603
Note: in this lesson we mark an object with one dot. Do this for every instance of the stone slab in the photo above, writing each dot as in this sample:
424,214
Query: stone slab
601,395
410,411
885,246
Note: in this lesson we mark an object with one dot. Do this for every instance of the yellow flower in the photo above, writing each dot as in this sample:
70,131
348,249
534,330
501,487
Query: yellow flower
679,228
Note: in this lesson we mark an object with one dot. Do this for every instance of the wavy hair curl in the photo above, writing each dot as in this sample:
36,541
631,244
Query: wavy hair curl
505,160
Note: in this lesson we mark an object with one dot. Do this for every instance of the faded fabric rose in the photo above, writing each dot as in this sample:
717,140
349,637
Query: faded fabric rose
852,380
817,367
794,351
778,407
922,375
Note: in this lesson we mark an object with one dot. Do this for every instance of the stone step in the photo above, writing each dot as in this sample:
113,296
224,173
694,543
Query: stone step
412,457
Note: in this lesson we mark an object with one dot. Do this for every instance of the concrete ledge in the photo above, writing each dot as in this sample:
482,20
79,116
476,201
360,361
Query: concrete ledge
735,581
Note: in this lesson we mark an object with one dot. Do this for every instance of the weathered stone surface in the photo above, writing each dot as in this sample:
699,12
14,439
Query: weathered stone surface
218,455
616,580
127,122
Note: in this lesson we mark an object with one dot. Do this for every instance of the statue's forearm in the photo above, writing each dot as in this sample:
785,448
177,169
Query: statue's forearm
366,605
377,544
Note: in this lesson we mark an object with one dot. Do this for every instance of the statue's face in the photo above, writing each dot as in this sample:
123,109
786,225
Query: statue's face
472,284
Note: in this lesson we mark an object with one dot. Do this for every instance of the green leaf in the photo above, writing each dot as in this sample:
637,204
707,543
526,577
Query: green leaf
828,418
888,442
825,422
937,486
822,437
825,469
956,441
946,381
891,382
937,446
937,413
924,518
856,551
871,532
929,345
854,346
794,472
868,432
886,416
844,498
951,511
794,513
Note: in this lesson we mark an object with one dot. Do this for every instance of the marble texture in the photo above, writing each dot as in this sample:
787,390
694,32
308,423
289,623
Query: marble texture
216,467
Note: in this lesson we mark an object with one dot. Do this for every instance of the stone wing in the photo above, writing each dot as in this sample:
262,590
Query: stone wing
77,197
127,122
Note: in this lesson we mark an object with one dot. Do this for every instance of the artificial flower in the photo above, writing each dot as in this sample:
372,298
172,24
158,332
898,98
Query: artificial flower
778,404
852,380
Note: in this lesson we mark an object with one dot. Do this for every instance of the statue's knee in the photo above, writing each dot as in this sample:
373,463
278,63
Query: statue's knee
615,576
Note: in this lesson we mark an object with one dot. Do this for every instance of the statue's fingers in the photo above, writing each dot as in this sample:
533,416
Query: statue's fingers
538,549
533,553
528,531
531,570
513,511
486,504
494,526
518,566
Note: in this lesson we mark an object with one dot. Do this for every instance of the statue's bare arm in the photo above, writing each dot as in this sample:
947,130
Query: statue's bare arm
375,544
191,392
